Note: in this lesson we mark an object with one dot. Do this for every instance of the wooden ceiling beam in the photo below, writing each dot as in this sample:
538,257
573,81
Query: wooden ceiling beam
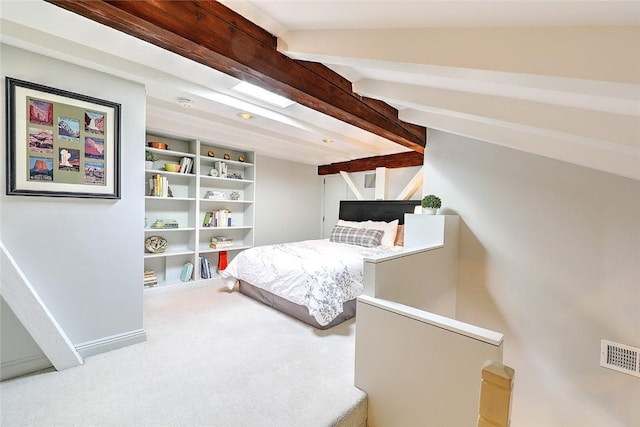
399,160
212,34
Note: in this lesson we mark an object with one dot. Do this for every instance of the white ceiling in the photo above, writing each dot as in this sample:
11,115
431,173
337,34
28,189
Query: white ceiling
559,79
280,16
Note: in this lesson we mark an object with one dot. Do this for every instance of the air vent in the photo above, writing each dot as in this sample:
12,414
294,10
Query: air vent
370,180
620,357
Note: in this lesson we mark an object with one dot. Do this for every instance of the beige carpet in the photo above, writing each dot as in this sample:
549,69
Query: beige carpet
211,358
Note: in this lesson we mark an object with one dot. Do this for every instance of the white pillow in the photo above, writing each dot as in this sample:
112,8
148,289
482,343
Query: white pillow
352,224
390,229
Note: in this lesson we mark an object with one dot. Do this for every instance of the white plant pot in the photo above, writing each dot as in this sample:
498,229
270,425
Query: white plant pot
148,164
429,211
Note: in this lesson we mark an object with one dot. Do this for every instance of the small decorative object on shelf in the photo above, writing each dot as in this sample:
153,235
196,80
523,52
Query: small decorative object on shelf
160,145
156,244
241,158
149,159
222,169
234,175
172,167
227,156
215,195
234,195
222,261
211,154
430,204
214,172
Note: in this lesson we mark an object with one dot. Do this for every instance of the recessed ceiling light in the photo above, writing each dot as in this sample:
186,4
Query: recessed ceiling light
245,116
327,140
262,94
185,102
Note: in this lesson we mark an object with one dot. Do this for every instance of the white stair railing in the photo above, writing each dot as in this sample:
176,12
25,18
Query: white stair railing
34,315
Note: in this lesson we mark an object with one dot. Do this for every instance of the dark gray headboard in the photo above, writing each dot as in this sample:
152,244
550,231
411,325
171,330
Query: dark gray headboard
376,210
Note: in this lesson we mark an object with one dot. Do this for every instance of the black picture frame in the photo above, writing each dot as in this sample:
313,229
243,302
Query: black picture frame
60,143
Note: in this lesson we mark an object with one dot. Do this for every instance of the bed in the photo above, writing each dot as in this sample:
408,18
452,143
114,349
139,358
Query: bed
317,281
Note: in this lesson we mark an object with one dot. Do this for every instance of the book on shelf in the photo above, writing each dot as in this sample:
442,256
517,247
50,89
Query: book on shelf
187,271
220,218
205,268
186,164
159,186
208,216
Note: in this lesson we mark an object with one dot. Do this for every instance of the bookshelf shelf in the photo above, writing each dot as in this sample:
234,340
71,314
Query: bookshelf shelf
189,242
169,230
169,253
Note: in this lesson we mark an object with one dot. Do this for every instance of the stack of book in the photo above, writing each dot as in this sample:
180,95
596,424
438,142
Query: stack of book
205,268
221,242
150,278
165,223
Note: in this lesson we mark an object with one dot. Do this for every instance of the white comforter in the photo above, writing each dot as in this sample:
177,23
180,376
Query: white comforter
318,274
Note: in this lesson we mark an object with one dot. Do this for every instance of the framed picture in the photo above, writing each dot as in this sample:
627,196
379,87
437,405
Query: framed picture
60,143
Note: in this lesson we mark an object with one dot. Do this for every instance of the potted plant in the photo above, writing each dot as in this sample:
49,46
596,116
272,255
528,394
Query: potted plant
149,159
431,204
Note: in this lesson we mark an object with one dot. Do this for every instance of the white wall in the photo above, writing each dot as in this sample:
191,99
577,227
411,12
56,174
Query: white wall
550,256
397,179
19,353
287,201
82,256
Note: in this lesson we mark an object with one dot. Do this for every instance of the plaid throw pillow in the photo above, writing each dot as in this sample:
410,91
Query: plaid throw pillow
356,236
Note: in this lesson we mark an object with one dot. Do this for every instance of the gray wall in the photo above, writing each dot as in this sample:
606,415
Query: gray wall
82,256
550,256
287,201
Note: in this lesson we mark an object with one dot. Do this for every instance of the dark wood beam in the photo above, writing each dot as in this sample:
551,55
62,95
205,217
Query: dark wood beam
212,34
399,160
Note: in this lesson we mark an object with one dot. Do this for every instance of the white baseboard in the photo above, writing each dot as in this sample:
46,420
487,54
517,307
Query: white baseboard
26,365
91,348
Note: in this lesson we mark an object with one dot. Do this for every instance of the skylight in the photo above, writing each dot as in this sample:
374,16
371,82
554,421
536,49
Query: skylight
262,94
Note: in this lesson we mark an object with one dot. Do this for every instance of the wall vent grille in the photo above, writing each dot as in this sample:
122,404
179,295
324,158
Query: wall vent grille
620,357
370,180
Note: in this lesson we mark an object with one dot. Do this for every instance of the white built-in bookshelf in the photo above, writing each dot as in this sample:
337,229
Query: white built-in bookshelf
194,193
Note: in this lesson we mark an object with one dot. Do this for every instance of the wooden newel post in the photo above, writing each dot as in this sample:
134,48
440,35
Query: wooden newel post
495,395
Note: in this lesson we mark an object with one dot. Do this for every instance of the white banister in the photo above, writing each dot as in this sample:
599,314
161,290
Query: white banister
418,368
34,315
